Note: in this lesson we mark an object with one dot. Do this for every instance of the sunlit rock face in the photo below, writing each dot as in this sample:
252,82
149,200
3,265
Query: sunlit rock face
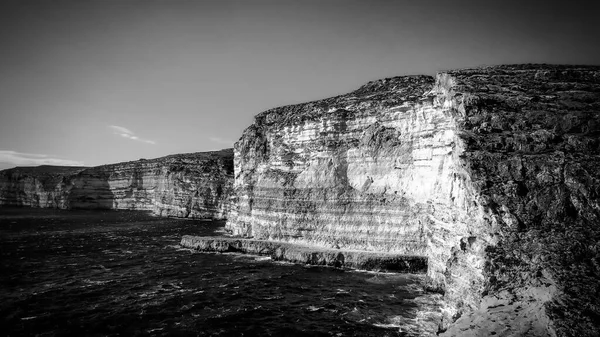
491,173
195,185
377,169
42,186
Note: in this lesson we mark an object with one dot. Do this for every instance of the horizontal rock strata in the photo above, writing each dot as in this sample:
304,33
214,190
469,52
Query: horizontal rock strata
43,186
491,173
282,251
195,185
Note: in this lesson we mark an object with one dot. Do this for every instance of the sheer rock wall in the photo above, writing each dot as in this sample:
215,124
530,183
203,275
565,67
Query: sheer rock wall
492,173
195,185
532,140
43,186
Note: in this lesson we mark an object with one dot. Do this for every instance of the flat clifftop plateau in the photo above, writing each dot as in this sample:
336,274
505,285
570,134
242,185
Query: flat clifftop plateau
195,185
491,173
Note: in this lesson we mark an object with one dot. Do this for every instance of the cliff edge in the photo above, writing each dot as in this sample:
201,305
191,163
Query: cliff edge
491,173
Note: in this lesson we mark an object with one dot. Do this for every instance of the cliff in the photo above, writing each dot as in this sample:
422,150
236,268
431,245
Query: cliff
490,173
532,150
42,186
195,185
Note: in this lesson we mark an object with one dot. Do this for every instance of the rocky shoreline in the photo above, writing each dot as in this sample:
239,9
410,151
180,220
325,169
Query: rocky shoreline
283,251
490,177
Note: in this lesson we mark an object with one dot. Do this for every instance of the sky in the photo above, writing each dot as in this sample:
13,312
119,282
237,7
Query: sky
98,82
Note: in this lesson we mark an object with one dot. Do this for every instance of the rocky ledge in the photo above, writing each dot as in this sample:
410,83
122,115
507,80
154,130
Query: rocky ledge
194,185
492,173
282,251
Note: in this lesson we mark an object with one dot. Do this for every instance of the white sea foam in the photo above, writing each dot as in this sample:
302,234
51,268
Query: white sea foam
179,248
92,282
148,293
262,258
387,325
313,308
284,263
155,329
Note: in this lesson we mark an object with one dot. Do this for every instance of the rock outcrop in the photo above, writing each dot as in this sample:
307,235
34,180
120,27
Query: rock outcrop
491,173
532,151
283,251
195,185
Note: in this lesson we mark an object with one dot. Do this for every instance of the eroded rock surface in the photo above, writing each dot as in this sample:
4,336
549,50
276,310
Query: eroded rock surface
283,251
195,185
491,173
532,135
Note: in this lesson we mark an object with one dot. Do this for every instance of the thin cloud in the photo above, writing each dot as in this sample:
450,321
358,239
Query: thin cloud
126,133
14,158
221,141
121,129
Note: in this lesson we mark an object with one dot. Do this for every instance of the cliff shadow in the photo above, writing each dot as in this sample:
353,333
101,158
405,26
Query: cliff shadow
91,190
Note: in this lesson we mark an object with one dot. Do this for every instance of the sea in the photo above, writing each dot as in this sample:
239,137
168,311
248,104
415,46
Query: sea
123,273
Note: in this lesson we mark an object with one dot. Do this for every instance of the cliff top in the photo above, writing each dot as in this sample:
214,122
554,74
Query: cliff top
554,97
48,175
47,169
196,157
200,162
372,95
524,80
526,67
51,173
523,67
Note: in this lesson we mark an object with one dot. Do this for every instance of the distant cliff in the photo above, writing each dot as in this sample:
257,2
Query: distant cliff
41,186
492,173
195,185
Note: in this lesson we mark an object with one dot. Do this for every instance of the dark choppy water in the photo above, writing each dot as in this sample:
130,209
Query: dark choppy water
123,273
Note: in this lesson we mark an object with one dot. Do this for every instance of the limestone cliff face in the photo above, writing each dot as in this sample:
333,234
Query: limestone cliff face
377,169
43,186
195,185
491,173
